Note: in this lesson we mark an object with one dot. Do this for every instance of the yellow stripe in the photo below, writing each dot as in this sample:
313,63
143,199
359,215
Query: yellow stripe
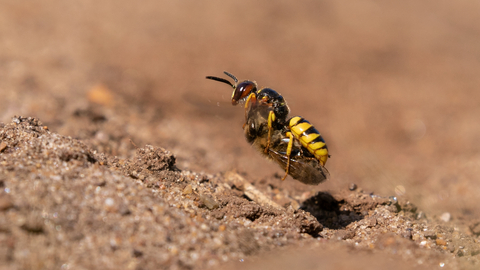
321,152
294,121
323,160
316,146
322,156
310,137
300,128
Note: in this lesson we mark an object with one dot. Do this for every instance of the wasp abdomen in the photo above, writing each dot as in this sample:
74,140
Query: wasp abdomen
309,137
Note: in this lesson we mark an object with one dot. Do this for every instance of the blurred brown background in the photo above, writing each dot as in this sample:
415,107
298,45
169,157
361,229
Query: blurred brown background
392,86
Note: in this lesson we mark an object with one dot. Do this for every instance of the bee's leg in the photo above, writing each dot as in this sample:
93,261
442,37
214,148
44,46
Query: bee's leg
289,152
271,118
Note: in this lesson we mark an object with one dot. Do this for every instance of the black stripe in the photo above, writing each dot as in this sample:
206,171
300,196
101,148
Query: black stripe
318,139
310,130
302,120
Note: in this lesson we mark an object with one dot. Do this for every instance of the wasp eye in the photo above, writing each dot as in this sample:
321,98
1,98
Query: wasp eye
242,91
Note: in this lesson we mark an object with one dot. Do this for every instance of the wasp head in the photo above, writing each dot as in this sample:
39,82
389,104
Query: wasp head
241,90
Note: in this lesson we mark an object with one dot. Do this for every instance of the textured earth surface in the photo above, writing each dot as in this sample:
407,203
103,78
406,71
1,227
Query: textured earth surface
116,153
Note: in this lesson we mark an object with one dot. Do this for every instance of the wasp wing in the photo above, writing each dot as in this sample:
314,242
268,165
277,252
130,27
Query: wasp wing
306,170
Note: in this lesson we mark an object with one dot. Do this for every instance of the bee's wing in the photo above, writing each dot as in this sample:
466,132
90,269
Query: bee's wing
307,171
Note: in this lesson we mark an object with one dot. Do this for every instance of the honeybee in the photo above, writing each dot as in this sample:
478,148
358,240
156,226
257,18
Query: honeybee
294,144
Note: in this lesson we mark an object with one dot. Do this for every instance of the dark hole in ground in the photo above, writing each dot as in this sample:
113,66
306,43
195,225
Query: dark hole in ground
331,213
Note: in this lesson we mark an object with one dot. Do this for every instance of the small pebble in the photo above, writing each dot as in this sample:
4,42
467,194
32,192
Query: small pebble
294,204
371,222
3,145
451,247
441,242
187,190
416,237
352,186
343,235
173,250
475,228
420,215
430,234
445,217
209,201
110,204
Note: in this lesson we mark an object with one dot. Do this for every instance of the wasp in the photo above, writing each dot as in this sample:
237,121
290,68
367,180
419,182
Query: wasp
292,143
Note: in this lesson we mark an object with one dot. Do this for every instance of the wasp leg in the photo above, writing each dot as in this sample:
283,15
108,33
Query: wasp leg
289,152
271,118
253,99
308,158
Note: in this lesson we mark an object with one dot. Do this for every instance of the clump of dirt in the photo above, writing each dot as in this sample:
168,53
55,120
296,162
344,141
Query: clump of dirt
31,131
63,204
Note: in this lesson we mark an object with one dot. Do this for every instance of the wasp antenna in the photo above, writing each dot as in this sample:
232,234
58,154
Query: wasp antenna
220,80
231,76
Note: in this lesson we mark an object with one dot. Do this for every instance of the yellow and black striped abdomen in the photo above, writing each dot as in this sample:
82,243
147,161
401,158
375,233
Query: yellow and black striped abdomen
309,137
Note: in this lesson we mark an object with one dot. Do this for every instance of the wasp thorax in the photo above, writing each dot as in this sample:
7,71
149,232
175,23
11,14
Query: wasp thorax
269,96
273,99
242,91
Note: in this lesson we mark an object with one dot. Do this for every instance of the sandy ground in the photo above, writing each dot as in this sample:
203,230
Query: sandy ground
125,156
